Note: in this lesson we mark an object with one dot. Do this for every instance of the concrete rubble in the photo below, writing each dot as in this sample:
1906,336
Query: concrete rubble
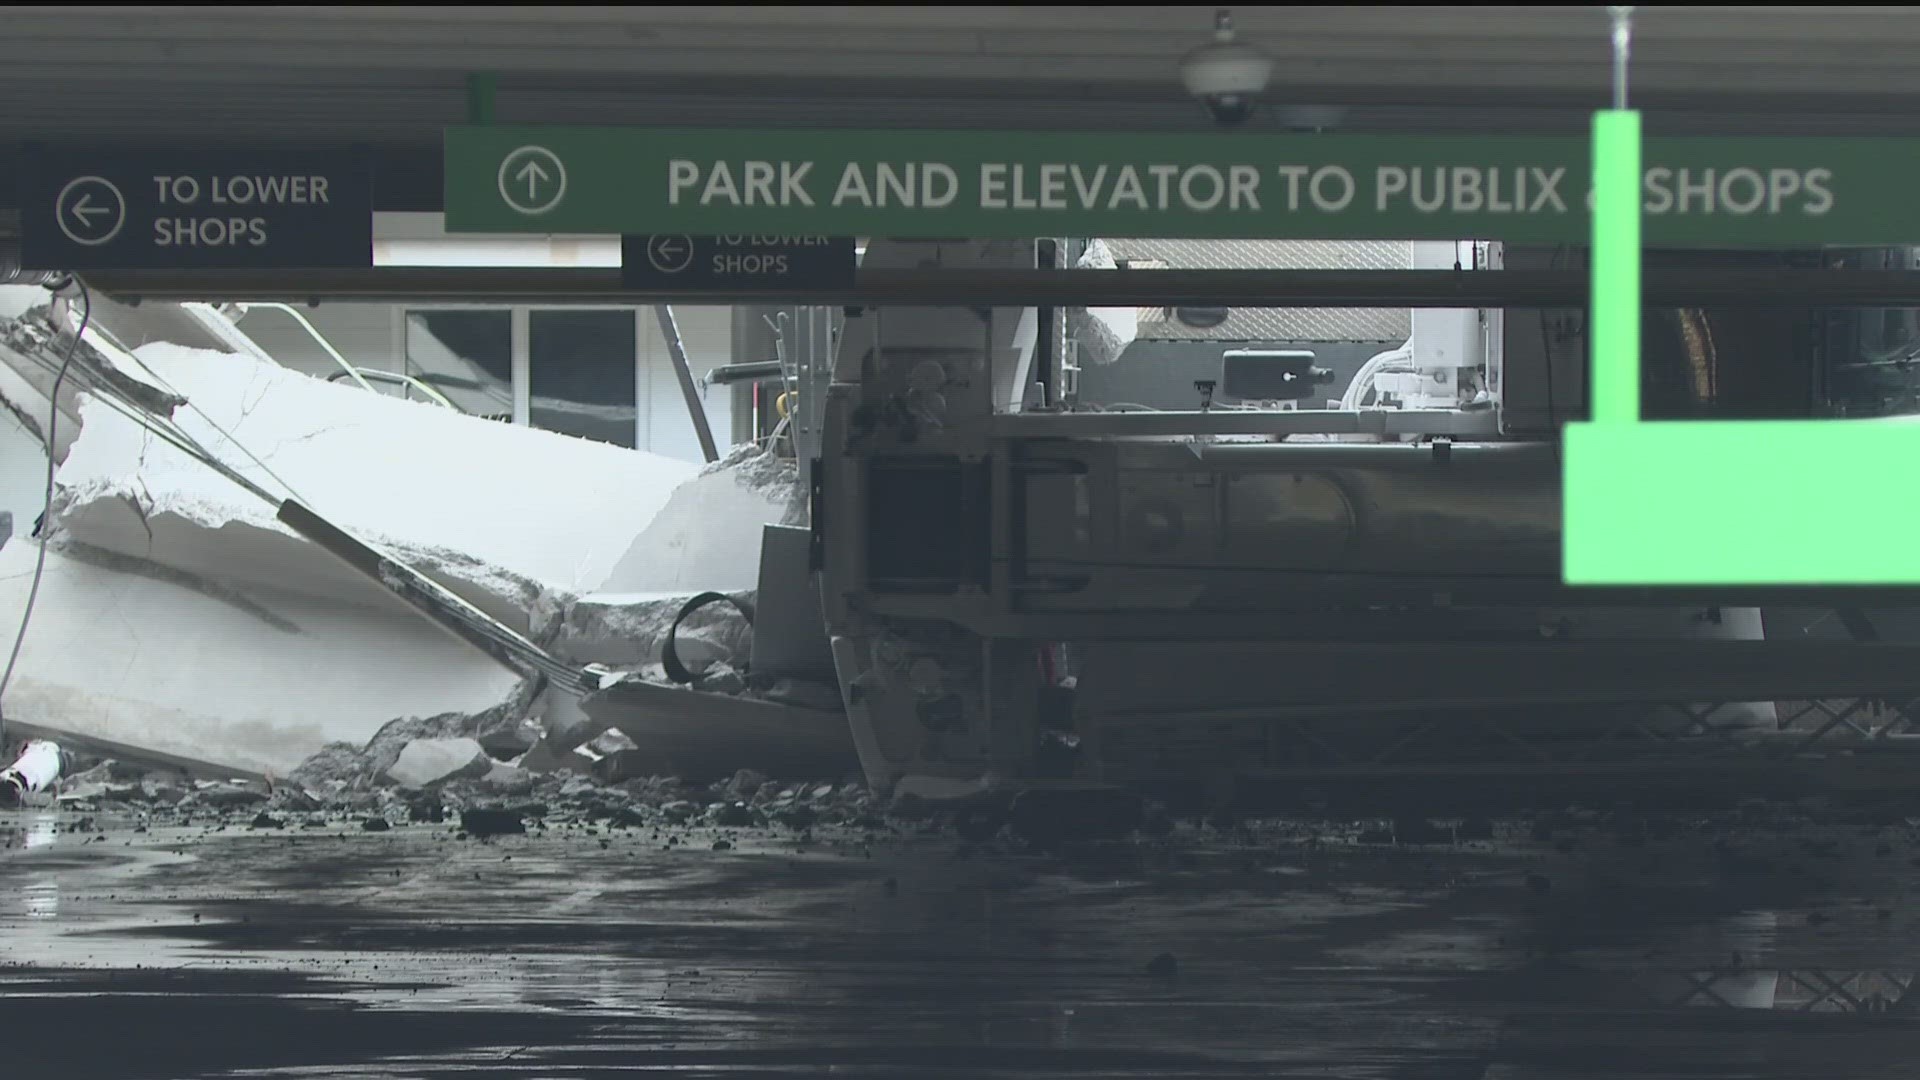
424,762
180,622
399,780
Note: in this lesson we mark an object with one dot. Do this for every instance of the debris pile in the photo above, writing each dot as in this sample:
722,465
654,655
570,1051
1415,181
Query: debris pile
246,648
428,772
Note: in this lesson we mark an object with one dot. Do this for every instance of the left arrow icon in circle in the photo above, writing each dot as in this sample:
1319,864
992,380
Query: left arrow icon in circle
532,180
90,210
670,254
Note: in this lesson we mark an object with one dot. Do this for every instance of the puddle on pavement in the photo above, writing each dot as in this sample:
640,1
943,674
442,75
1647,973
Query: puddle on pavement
1402,964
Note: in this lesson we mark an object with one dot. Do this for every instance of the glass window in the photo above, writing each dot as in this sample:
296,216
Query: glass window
465,355
581,368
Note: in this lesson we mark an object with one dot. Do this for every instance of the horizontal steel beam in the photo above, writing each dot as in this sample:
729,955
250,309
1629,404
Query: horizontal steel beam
1057,288
1326,678
728,374
1089,425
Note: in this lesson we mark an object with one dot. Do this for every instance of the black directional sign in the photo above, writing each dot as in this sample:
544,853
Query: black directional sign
180,208
738,264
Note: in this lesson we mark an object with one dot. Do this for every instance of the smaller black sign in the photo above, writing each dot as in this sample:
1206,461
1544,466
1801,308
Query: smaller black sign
181,208
738,264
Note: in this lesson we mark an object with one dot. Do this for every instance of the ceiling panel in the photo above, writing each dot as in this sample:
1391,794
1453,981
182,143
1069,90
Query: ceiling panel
395,75
1826,50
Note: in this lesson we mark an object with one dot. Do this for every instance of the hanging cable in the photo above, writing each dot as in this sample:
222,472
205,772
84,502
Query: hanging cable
40,558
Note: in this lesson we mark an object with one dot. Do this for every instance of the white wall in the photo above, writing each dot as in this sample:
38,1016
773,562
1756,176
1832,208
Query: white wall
254,682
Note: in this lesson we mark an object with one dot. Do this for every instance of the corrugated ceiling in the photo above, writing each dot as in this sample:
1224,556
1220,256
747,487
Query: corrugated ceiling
394,73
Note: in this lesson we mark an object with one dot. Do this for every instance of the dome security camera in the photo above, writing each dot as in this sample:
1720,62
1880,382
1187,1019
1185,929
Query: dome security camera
1226,74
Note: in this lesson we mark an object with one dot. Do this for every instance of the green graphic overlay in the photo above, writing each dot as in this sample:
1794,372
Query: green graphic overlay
1695,192
1705,503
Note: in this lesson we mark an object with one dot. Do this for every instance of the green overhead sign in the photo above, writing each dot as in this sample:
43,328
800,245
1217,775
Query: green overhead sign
988,185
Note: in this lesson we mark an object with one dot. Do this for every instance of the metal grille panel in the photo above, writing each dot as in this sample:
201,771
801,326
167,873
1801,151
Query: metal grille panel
1386,325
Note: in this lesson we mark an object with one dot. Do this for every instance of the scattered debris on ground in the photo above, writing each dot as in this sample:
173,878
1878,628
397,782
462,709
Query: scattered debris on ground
440,773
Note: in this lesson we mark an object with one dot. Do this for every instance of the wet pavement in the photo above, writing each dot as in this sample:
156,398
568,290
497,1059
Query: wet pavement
1682,946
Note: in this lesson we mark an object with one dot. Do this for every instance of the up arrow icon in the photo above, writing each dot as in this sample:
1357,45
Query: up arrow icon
532,180
534,176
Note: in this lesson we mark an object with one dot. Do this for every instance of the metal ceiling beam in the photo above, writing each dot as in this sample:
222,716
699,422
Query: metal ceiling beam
1058,288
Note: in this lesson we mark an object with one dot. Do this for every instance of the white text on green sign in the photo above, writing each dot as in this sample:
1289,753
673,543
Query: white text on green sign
985,185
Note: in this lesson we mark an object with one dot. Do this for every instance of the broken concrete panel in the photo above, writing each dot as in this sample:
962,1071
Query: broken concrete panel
32,353
432,761
505,779
160,666
17,300
613,757
24,386
357,459
228,795
611,741
545,758
698,735
565,723
242,554
369,765
707,536
789,632
628,629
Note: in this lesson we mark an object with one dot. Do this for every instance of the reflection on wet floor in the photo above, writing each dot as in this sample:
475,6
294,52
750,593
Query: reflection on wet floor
39,892
412,954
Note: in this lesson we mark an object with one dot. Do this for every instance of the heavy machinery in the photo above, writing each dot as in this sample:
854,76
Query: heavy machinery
1020,587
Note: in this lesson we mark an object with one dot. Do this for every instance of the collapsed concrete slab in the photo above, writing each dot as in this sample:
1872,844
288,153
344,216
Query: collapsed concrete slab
131,653
700,735
504,511
706,537
630,629
518,522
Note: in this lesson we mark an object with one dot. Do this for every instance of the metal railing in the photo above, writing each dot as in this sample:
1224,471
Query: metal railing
361,375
